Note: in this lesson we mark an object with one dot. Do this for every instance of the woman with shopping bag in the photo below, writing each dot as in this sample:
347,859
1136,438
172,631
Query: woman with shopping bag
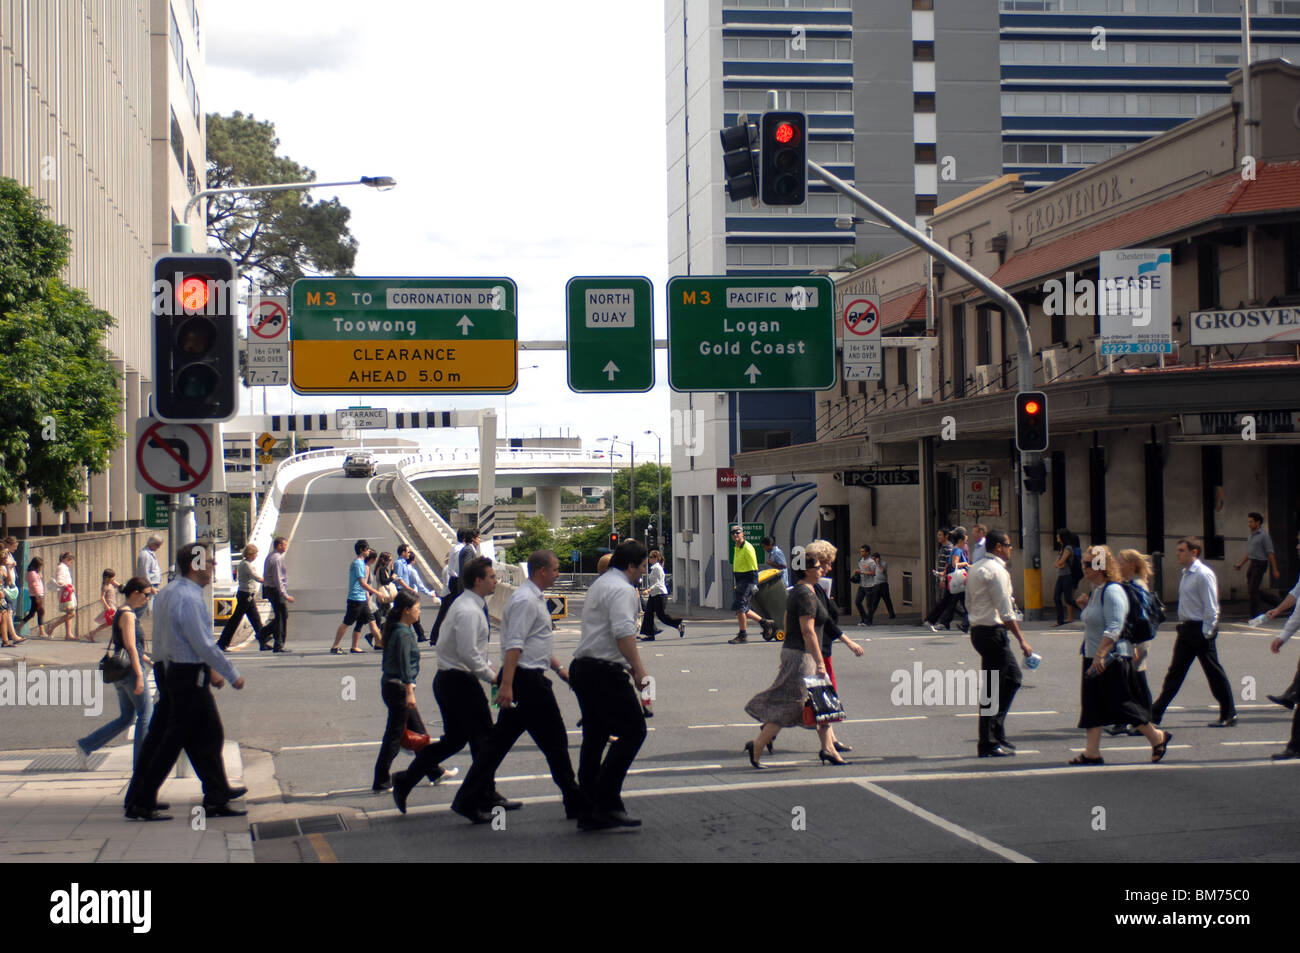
782,705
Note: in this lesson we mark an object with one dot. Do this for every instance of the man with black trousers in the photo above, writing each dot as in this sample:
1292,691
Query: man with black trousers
1198,630
526,698
611,706
275,588
992,615
456,584
462,664
187,662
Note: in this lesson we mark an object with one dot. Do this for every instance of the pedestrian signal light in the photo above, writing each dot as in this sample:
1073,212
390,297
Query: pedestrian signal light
195,338
738,164
1031,421
783,167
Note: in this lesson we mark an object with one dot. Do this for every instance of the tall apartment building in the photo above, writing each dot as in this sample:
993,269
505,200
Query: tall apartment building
917,104
101,117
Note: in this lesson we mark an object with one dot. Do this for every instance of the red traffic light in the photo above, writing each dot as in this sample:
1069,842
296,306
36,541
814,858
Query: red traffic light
1032,407
786,133
192,294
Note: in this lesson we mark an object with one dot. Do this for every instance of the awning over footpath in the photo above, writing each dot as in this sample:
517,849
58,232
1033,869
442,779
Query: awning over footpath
1276,188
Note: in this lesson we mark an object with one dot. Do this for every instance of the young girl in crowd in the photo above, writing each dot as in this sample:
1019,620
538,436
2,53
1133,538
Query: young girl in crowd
108,599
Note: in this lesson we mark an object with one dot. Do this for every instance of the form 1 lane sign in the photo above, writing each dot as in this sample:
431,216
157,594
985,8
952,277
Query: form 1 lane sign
404,336
751,333
611,335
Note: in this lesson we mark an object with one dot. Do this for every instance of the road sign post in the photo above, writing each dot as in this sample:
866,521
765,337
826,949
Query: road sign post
610,335
744,333
404,336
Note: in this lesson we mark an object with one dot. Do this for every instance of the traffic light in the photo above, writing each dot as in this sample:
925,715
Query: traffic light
1031,421
613,541
783,170
1036,477
738,161
195,338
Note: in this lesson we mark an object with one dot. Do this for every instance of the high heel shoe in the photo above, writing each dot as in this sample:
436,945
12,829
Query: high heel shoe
843,748
749,750
827,759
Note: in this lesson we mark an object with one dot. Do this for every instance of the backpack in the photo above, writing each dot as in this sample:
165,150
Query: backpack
1145,613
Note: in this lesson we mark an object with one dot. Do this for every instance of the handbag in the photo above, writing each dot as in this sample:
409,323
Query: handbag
822,706
855,578
67,593
957,580
414,741
116,663
11,593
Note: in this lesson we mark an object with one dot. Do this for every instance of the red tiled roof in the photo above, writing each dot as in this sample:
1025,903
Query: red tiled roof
1274,362
909,306
1276,187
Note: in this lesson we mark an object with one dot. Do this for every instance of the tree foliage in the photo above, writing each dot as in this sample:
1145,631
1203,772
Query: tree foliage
534,533
59,393
274,237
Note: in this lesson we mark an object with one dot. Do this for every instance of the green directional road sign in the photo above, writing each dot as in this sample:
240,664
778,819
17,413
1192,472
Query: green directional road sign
404,336
751,333
611,335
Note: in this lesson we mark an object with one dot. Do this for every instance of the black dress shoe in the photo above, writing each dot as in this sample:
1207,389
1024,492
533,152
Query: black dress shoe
235,793
1003,743
497,800
997,751
279,649
740,639
1224,723
264,646
222,810
1286,754
645,638
146,814
161,805
401,790
622,819
605,820
1287,703
381,788
473,814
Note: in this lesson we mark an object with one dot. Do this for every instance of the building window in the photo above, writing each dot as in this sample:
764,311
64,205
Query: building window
178,142
923,51
923,102
191,92
925,154
922,4
1058,329
903,354
983,337
1207,276
191,176
925,204
174,37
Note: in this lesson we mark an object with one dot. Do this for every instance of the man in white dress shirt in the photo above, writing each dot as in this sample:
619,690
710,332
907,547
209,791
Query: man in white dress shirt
1198,630
526,698
610,704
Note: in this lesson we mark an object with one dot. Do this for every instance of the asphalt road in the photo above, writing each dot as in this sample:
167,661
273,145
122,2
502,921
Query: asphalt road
914,791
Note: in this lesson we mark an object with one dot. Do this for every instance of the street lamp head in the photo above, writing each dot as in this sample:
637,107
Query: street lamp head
381,182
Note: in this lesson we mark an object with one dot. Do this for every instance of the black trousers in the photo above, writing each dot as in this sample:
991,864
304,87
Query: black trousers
1191,645
997,660
875,595
466,720
279,621
1255,574
657,606
245,605
1294,743
610,707
944,608
400,718
453,590
956,609
858,601
190,721
1293,690
536,712
1061,597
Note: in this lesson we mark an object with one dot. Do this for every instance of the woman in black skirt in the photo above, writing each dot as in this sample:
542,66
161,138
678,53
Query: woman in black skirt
1111,692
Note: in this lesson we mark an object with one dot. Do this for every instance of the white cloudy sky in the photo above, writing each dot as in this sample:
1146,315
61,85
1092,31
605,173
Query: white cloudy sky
527,139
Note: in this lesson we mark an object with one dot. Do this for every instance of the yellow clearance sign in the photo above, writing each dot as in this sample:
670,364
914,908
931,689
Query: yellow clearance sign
404,336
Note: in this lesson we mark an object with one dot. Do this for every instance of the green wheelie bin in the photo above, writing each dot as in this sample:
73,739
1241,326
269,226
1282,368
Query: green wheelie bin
770,600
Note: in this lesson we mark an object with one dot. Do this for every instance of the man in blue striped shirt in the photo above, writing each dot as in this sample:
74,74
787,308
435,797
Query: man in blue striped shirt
1198,630
186,716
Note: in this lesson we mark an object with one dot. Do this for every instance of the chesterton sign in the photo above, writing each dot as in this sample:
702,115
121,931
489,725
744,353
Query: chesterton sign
1245,326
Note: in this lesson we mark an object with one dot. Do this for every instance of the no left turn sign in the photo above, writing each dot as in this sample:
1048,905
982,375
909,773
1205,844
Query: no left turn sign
173,458
862,316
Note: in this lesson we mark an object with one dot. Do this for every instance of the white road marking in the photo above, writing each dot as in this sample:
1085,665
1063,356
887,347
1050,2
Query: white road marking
846,721
1006,853
302,507
1232,744
342,744
975,714
1128,748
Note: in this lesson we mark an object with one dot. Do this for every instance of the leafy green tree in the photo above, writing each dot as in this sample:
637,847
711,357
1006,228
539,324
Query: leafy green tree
534,533
647,499
274,237
588,538
443,501
59,393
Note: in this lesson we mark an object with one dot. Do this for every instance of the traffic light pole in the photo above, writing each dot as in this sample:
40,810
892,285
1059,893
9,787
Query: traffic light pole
1031,542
